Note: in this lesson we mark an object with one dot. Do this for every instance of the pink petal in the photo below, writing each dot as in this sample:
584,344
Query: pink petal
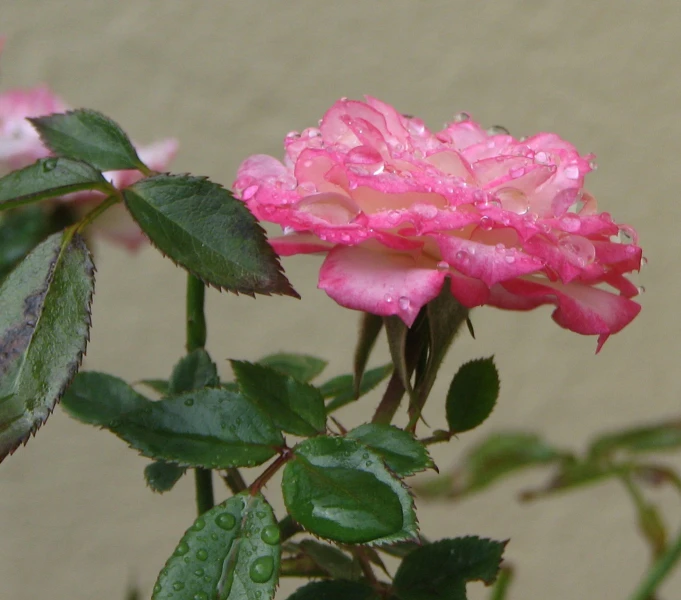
298,243
377,282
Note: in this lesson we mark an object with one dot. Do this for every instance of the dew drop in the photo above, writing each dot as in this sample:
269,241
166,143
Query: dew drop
199,524
199,572
463,257
404,303
570,223
509,258
578,250
178,585
200,596
365,455
157,588
572,172
388,298
393,216
202,554
641,289
427,211
270,534
498,130
249,192
461,117
214,536
593,165
518,172
182,549
500,247
443,265
225,521
542,158
49,164
644,261
189,402
261,570
368,463
486,223
625,235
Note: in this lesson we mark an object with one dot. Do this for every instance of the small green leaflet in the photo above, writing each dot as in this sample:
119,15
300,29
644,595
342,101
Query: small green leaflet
162,476
339,489
231,552
89,136
332,560
293,406
472,394
44,328
299,366
440,571
49,178
401,452
340,389
203,228
194,371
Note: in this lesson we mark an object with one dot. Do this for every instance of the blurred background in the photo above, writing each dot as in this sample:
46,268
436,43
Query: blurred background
230,79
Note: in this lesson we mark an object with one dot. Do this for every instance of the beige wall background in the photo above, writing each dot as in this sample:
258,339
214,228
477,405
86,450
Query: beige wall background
232,78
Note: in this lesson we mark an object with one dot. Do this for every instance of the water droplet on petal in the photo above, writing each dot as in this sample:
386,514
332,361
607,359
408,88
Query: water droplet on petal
404,303
250,191
427,211
461,117
261,570
625,235
517,172
514,200
542,158
443,265
578,250
498,130
509,258
388,298
570,223
644,261
572,172
641,289
202,554
270,534
593,165
462,257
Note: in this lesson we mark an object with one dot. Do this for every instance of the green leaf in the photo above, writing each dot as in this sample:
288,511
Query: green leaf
160,386
401,452
44,328
162,476
334,590
332,560
341,389
299,366
21,230
472,394
231,552
292,405
194,371
88,135
653,438
498,456
49,178
340,490
98,399
440,571
211,428
369,330
203,228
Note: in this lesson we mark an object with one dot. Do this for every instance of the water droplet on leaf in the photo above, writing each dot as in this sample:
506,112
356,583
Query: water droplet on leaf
202,554
199,524
225,521
270,534
49,164
189,402
262,568
182,549
178,585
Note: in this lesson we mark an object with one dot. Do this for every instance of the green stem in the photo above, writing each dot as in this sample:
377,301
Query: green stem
267,474
196,338
649,522
235,482
289,527
439,435
196,319
385,412
658,571
502,584
203,480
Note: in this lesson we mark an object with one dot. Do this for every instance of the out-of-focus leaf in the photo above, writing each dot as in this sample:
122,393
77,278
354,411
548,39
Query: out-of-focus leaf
334,590
653,438
299,366
340,389
332,560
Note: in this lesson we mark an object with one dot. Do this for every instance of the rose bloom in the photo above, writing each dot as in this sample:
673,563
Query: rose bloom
20,145
401,211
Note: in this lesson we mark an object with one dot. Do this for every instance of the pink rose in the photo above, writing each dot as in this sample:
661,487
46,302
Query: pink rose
398,209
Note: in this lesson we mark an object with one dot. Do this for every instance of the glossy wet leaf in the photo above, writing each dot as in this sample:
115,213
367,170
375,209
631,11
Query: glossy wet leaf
441,570
162,476
203,228
401,452
652,438
231,552
194,371
331,559
49,178
293,406
339,489
340,390
44,328
472,394
211,428
89,136
334,590
299,366
98,398
369,330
